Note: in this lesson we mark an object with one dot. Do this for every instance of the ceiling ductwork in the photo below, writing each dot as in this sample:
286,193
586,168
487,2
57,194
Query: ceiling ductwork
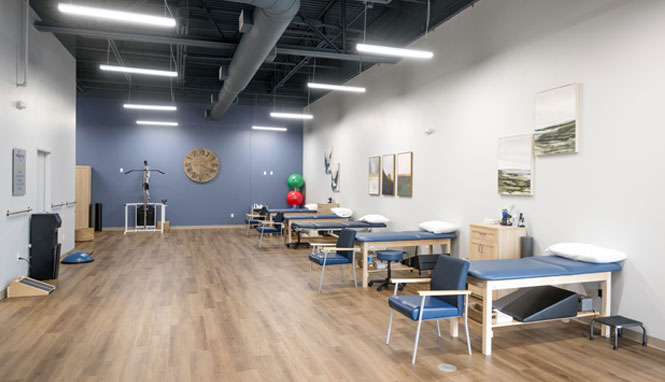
270,20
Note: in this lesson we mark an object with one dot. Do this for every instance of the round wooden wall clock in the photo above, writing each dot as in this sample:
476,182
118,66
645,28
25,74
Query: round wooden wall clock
201,165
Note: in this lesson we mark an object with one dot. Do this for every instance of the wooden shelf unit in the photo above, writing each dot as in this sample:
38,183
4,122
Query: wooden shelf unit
493,242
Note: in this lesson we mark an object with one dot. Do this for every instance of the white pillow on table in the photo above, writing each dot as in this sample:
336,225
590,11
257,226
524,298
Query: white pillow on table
437,226
374,219
342,212
586,252
311,206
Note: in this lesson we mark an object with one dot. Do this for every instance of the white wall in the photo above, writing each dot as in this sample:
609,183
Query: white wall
48,123
489,62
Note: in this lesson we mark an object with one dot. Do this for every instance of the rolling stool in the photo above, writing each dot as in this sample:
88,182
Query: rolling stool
389,256
618,323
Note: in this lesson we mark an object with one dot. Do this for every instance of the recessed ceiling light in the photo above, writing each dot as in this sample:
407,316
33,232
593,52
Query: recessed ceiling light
291,115
269,128
343,88
127,69
157,123
110,14
150,107
395,52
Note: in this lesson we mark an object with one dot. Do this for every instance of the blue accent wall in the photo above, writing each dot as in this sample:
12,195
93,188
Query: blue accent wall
107,138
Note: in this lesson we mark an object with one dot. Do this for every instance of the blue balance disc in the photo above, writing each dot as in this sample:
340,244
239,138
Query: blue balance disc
77,257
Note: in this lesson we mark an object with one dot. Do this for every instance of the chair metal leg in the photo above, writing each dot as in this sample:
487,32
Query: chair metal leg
260,239
466,322
341,270
309,276
420,321
355,279
616,339
323,269
644,335
390,325
438,329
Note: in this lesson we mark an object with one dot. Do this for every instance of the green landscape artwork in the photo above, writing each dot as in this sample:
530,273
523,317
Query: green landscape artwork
556,121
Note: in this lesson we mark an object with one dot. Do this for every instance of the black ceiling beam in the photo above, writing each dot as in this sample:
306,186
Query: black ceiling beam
320,34
203,43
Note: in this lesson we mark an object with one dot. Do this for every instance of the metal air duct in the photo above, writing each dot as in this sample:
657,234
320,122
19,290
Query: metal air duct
271,18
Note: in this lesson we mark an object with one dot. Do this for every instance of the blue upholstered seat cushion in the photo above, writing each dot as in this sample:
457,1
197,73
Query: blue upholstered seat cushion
332,259
290,210
409,305
389,255
335,225
264,229
251,221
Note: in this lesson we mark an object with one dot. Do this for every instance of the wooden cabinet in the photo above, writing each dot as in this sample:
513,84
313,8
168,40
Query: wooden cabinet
492,242
83,196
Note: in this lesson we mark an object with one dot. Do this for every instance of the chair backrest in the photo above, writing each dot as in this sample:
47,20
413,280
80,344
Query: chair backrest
263,212
450,274
346,239
279,217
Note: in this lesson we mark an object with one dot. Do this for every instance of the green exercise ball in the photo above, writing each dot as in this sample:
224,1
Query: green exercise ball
295,181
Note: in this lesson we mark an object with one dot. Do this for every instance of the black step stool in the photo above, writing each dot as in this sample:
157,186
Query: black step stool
618,323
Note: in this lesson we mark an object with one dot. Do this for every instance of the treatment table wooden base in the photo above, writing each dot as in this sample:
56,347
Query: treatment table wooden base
373,241
491,275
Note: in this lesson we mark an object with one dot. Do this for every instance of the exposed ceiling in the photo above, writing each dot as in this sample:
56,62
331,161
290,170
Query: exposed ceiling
319,41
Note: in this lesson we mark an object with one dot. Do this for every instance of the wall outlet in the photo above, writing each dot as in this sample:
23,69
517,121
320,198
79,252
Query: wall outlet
18,256
233,215
121,169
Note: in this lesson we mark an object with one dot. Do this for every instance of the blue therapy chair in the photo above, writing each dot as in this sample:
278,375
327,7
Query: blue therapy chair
340,254
447,298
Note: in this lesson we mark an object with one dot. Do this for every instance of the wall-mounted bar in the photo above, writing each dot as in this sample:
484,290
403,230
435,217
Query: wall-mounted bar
63,204
11,213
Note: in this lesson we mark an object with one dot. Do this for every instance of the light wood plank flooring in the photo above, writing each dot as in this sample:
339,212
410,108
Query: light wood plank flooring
206,305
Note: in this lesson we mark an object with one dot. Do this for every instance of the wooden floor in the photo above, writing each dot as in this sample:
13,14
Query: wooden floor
207,305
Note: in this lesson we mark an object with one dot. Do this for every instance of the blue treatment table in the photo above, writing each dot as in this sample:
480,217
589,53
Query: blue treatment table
331,226
491,275
289,219
373,241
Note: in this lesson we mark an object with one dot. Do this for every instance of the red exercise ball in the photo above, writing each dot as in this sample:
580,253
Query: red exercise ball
294,198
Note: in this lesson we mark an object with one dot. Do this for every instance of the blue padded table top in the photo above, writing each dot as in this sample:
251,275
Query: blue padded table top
290,210
313,216
541,266
336,225
402,236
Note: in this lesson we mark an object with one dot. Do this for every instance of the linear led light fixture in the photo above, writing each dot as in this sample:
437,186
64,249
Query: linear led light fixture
110,14
291,115
395,52
157,123
269,128
343,88
150,107
127,69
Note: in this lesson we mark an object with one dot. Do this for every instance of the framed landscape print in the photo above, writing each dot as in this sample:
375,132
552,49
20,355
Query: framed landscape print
374,180
388,175
334,177
327,159
405,174
556,120
516,165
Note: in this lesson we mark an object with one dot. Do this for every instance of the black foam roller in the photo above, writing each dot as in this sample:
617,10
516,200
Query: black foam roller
526,247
